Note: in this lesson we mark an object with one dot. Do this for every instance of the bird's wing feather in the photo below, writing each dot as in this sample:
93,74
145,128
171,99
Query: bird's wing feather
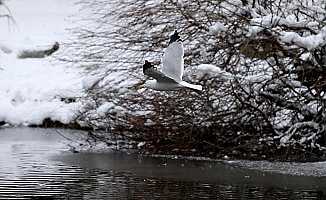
173,61
191,86
159,76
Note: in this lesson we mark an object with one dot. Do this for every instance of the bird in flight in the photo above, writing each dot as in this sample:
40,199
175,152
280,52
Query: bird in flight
170,76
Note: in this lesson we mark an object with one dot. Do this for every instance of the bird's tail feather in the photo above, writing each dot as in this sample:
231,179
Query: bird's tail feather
191,86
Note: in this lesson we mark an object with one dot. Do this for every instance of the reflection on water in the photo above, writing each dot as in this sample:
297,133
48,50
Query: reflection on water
129,186
35,164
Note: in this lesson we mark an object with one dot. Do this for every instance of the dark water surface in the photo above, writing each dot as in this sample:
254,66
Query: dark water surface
37,164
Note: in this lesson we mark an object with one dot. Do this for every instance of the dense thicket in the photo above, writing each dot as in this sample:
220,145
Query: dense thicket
266,94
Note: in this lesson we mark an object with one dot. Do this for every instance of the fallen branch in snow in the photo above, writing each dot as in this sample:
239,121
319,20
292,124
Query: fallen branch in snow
38,53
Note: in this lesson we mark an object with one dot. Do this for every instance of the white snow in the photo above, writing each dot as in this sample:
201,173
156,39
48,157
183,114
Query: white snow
142,112
89,81
31,89
216,28
271,20
103,109
109,107
209,68
213,71
309,42
141,144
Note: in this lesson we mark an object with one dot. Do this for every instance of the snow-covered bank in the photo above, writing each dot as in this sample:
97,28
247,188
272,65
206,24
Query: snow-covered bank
31,90
34,89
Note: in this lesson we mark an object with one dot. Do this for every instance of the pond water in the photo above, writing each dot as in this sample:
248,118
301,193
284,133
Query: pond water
37,164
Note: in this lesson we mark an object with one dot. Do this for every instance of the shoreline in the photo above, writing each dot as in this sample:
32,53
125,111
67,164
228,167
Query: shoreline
162,145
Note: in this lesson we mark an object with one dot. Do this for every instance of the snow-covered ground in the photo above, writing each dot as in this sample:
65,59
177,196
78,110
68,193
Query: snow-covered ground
32,89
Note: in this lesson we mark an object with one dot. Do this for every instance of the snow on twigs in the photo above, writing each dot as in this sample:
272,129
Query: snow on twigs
211,70
309,42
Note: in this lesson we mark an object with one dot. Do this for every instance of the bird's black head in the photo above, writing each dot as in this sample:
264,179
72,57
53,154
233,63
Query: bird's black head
174,37
147,65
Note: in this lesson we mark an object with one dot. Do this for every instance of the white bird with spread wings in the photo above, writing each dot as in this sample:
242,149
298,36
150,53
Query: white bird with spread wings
170,77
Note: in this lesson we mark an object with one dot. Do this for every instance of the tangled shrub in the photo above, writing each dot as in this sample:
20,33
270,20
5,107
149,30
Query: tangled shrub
262,64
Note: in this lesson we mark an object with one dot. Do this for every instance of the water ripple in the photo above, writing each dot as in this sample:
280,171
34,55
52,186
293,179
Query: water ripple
28,170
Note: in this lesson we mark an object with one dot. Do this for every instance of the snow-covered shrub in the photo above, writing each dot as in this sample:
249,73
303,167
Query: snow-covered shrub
264,72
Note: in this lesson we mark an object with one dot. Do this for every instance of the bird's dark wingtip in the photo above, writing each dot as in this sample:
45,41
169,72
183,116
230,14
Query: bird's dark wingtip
174,37
147,66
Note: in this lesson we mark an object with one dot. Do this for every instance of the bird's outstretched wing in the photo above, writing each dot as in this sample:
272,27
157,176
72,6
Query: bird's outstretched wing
172,67
175,37
159,76
173,61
